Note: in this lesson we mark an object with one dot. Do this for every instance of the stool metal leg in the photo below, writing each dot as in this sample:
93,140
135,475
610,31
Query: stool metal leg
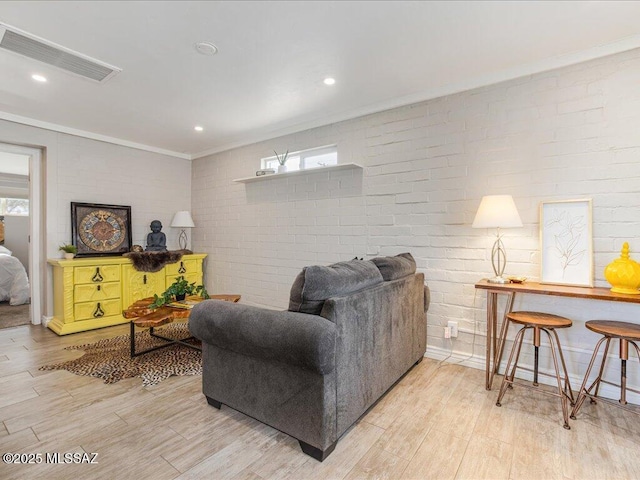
561,391
508,376
624,356
517,359
601,372
503,333
627,342
582,394
536,354
567,383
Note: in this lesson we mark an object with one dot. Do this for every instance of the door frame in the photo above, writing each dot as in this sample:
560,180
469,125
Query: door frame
37,232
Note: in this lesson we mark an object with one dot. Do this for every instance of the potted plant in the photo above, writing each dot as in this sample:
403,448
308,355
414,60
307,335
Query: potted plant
282,160
69,251
177,291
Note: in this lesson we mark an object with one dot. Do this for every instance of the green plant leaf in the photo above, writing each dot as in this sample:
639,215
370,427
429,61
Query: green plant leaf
68,248
179,287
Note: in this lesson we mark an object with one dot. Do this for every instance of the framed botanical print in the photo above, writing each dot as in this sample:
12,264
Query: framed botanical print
100,230
566,243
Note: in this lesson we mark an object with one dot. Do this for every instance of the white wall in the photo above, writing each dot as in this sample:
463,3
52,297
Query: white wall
155,186
83,170
565,134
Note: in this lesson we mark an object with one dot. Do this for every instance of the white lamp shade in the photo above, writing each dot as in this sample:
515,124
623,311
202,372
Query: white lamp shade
497,211
182,220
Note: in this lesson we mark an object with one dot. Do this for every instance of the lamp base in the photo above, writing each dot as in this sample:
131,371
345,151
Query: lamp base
499,279
182,240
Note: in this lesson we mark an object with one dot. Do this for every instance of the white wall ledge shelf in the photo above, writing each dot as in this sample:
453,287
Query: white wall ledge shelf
295,173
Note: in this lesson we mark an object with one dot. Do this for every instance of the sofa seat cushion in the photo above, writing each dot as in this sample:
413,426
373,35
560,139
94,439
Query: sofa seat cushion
317,283
393,268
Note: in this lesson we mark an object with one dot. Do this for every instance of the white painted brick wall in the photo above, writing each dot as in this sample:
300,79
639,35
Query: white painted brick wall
564,134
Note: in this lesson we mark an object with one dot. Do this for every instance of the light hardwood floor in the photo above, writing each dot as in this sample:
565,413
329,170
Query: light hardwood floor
437,423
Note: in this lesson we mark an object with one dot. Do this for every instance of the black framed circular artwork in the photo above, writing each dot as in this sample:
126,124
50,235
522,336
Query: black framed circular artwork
100,230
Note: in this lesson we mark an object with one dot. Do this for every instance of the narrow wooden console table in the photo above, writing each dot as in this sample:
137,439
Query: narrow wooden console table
495,342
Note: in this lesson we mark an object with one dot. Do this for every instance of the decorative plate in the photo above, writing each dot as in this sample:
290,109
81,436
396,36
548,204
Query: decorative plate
100,229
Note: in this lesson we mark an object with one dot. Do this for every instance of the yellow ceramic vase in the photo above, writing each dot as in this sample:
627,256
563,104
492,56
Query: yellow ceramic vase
623,273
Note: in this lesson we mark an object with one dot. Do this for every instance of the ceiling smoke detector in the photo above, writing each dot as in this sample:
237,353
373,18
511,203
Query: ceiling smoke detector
206,48
28,45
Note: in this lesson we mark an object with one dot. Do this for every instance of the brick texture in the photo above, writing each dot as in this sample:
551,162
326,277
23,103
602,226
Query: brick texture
564,134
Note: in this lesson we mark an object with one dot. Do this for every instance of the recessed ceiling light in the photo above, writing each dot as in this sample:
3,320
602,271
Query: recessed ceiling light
39,78
329,81
206,48
198,128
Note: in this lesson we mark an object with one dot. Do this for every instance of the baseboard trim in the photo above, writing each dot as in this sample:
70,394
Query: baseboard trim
478,362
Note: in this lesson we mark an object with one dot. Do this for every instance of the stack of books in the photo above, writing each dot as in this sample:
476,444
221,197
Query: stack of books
186,304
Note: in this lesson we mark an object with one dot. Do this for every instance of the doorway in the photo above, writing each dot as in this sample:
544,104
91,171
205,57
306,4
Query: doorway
21,173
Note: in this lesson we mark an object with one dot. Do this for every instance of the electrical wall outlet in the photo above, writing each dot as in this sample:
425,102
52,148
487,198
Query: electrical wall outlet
447,332
453,328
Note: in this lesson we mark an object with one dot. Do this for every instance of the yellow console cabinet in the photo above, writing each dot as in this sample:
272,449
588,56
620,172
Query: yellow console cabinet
90,293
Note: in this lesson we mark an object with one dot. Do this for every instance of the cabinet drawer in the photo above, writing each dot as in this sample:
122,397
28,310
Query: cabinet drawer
94,292
98,274
88,310
183,267
194,278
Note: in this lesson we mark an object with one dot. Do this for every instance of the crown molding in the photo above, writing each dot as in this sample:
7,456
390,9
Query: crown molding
32,122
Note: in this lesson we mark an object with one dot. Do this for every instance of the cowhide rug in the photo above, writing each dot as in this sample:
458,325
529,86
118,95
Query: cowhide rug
110,359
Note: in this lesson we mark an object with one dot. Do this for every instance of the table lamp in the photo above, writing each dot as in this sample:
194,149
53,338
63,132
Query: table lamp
497,211
182,220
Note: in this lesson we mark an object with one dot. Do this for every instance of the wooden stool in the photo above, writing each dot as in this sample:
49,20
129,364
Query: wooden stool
539,322
627,333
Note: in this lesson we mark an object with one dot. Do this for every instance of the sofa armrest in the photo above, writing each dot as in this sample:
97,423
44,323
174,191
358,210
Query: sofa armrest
307,341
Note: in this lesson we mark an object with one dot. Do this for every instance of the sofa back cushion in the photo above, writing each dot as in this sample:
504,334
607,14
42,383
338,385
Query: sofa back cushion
317,283
396,267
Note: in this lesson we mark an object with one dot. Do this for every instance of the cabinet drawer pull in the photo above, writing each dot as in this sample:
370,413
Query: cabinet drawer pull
182,269
144,279
98,287
98,312
97,277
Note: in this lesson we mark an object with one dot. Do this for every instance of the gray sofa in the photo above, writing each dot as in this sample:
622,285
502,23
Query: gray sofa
352,330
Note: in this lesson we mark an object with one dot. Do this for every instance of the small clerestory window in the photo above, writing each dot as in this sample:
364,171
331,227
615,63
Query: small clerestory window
305,159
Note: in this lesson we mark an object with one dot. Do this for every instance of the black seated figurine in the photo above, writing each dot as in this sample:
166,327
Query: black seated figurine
156,240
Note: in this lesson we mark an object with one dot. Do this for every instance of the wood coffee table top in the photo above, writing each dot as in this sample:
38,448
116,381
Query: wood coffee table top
143,316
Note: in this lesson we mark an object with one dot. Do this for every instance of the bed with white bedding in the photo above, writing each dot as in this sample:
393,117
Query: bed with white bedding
14,283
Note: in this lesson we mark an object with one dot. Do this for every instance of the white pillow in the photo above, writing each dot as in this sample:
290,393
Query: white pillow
4,250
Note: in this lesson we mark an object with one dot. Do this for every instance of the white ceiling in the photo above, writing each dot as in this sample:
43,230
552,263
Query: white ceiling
266,79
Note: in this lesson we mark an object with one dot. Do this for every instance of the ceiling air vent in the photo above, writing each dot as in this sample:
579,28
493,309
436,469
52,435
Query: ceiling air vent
23,43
